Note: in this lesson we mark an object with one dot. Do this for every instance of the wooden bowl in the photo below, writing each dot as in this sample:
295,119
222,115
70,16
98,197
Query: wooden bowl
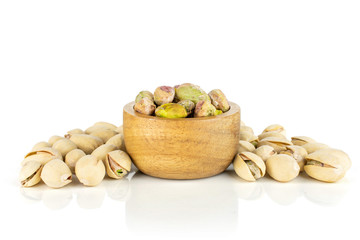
183,148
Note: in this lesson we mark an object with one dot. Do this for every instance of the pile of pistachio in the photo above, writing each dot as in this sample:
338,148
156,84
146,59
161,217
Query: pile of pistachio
185,100
271,152
87,154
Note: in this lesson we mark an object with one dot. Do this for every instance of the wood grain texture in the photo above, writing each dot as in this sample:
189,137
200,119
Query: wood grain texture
186,148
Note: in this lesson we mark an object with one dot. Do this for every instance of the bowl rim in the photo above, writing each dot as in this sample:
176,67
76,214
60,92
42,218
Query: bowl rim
129,108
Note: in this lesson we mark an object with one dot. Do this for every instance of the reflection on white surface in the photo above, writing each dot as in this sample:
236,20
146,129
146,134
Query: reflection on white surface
57,198
246,190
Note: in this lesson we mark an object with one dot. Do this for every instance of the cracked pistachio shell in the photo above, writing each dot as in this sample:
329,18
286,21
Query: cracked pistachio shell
30,174
298,153
245,146
145,106
265,152
118,141
248,136
85,142
64,146
75,130
279,144
89,170
103,150
246,129
104,134
118,164
53,139
219,100
327,165
144,94
204,109
42,155
72,157
188,105
120,129
163,95
314,146
275,128
191,92
271,134
40,145
301,140
282,167
56,174
171,110
249,171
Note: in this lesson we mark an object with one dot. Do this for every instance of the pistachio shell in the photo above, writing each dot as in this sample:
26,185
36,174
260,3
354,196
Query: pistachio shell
94,128
89,170
56,174
275,128
249,166
118,141
218,99
245,146
301,140
104,134
163,95
246,128
279,144
282,167
106,124
333,157
248,136
265,152
314,146
298,153
40,145
270,134
76,130
64,146
120,129
85,142
42,155
72,157
53,139
30,174
101,152
118,164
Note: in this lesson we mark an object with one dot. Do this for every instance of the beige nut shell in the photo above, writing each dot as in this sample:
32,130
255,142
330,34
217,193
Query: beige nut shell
103,150
89,170
245,146
301,140
265,152
30,174
85,142
72,157
248,136
282,167
53,139
120,129
40,145
246,129
64,146
118,141
241,168
279,144
75,131
298,153
121,158
314,146
275,128
56,174
270,134
42,155
104,134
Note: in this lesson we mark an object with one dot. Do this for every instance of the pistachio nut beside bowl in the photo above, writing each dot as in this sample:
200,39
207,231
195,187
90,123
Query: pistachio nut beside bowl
314,146
275,128
249,166
245,146
89,170
118,141
40,145
85,142
279,144
301,140
30,174
72,157
271,134
104,134
298,153
265,152
282,167
118,164
42,155
56,174
64,146
103,150
53,139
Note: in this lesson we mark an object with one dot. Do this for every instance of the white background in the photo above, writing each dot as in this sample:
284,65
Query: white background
68,64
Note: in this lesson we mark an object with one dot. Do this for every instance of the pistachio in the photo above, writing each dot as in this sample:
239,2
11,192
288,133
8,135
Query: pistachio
118,164
95,128
188,105
249,166
171,110
104,134
30,174
145,106
218,112
40,145
298,153
219,100
204,109
301,140
42,155
72,157
270,134
245,146
118,141
242,123
100,152
64,146
282,167
75,130
85,142
191,92
56,174
265,152
120,129
275,128
163,95
246,129
279,144
314,146
248,136
144,94
89,170
53,139
106,124
327,165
